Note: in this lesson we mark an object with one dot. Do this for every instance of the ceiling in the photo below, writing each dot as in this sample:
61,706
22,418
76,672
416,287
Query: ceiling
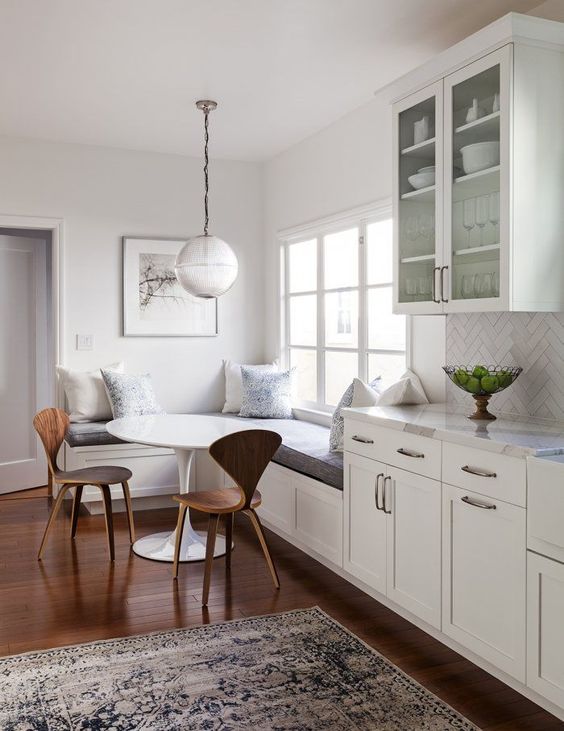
125,73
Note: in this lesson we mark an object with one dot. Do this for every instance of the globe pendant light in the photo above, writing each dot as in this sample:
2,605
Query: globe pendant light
206,265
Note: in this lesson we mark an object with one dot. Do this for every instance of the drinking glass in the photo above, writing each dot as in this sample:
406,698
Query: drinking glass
494,214
485,287
411,286
482,214
423,285
412,228
468,283
468,217
426,225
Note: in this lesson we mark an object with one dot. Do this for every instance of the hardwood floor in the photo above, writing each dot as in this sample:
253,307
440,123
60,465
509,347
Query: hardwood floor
76,595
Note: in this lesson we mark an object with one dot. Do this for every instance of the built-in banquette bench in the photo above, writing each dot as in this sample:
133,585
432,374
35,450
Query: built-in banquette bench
302,488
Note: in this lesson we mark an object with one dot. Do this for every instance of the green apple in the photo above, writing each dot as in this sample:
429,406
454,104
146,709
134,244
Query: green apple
480,371
461,376
505,379
472,385
490,384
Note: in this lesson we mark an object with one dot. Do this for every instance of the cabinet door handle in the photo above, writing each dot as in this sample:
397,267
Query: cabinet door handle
377,492
478,504
410,453
388,512
436,300
364,440
477,471
442,278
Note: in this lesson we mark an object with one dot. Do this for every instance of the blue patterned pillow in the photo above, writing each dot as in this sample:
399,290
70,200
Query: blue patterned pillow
130,395
337,433
266,394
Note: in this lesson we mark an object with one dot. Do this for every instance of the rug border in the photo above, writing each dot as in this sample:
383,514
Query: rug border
178,630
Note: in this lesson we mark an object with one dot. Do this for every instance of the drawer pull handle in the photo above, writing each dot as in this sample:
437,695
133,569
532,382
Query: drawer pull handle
477,503
476,471
410,453
377,492
364,440
388,512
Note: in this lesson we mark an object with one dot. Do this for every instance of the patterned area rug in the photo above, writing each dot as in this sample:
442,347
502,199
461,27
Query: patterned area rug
300,670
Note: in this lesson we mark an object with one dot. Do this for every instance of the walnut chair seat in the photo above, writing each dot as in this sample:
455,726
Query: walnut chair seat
244,456
226,500
52,425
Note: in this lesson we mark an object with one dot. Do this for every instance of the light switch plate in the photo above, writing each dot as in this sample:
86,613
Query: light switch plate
85,342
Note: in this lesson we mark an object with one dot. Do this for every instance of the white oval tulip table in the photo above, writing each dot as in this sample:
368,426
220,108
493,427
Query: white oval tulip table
184,433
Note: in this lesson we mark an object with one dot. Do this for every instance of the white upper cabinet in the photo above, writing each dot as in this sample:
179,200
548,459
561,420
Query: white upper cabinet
478,184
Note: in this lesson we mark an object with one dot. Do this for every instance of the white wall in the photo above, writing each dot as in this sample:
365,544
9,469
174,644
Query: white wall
104,193
345,165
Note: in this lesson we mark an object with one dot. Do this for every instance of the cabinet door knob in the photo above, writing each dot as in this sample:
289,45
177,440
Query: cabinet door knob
442,278
388,512
364,440
377,492
477,471
410,453
478,504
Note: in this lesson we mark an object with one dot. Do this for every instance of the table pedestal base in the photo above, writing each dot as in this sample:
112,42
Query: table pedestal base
160,546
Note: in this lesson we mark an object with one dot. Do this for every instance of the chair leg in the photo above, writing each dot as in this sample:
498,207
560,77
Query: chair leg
179,531
229,518
260,533
107,496
54,510
210,547
76,509
129,509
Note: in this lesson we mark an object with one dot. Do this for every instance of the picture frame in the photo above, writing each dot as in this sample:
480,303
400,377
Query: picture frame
154,303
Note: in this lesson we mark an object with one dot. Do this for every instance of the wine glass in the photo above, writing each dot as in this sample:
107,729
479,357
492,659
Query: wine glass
482,214
494,213
468,217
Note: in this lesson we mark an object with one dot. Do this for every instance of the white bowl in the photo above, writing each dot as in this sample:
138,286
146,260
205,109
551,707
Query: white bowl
479,156
428,169
422,180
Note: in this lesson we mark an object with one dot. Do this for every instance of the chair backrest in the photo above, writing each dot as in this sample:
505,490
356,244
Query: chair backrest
245,455
51,425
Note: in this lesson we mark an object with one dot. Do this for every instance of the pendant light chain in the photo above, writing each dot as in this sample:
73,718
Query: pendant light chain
206,176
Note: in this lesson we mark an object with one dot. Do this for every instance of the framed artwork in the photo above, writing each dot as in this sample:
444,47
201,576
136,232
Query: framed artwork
154,303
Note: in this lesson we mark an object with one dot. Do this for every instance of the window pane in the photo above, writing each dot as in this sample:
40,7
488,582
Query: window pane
305,363
341,259
341,319
303,266
340,369
386,331
379,246
303,320
390,368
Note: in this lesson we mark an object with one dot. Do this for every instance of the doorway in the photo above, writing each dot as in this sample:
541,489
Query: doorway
28,350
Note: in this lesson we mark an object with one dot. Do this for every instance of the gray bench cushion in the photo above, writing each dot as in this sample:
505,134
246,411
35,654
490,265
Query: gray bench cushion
304,449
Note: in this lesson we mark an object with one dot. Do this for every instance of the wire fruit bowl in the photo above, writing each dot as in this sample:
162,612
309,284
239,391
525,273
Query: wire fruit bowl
482,382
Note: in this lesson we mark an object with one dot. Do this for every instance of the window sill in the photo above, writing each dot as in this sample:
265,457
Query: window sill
317,417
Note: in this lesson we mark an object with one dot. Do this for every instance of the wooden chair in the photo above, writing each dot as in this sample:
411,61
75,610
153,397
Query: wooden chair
244,456
51,425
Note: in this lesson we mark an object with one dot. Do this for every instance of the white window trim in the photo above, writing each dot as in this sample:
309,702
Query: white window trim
358,217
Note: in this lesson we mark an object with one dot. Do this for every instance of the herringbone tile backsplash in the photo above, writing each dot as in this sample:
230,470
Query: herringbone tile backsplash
534,341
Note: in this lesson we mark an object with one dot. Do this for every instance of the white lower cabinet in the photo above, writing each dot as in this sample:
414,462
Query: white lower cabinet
393,534
484,577
545,627
278,492
365,524
414,544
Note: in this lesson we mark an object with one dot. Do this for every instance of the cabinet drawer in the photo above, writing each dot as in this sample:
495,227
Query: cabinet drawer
394,447
488,473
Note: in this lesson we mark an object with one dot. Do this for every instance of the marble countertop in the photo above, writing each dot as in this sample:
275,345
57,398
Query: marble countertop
513,436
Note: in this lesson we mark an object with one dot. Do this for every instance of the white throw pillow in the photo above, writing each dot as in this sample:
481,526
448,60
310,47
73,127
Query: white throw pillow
233,383
87,399
364,394
408,390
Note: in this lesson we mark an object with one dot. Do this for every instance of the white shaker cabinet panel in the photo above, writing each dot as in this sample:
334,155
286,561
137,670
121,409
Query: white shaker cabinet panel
484,575
414,544
365,524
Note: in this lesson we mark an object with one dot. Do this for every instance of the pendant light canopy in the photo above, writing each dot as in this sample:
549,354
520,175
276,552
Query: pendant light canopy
206,266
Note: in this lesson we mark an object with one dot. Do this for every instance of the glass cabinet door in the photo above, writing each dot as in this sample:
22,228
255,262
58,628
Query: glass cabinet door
417,199
476,185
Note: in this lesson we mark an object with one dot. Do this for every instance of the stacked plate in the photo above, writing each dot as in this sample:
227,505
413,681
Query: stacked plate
423,178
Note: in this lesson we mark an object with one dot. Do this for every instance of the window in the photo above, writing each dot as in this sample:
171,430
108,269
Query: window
337,308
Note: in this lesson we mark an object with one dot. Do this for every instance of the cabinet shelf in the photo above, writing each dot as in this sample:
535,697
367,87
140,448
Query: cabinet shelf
421,149
484,129
413,259
476,249
423,194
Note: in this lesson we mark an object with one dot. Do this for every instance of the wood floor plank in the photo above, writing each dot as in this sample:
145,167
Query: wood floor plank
76,595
